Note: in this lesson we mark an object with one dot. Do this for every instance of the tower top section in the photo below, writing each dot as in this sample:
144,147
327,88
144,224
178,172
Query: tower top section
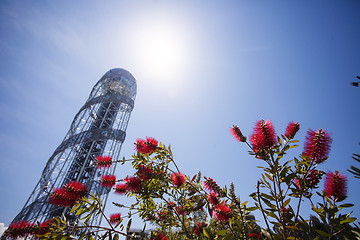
116,80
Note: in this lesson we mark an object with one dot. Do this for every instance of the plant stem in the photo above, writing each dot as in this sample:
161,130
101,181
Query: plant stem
262,210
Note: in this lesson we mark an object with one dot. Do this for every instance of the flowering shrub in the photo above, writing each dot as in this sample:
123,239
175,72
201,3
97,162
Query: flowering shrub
196,207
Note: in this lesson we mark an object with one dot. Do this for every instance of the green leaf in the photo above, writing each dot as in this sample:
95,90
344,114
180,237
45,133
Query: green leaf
322,233
244,203
250,209
287,202
356,233
88,218
294,146
76,206
206,234
128,226
272,214
266,196
268,176
79,211
116,237
266,234
346,205
221,232
348,220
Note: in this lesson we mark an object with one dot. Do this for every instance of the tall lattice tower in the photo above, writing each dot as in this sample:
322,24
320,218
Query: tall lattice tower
97,129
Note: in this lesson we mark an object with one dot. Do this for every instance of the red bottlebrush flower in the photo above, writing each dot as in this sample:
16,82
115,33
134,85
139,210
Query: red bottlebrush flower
292,129
20,229
178,179
213,199
181,210
115,218
237,134
336,185
121,188
134,183
62,197
144,172
76,188
159,236
108,181
104,161
151,143
44,227
222,212
199,227
140,145
317,145
210,185
264,136
147,146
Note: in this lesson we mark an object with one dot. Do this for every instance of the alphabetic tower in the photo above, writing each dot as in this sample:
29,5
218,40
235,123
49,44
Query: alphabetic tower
98,129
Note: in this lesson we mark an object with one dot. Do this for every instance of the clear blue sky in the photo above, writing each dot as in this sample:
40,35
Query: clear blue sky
201,66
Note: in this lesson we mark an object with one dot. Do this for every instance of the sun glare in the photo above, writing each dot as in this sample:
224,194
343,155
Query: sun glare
160,49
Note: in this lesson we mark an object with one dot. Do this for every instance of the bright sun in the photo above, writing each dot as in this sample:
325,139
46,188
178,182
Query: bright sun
160,49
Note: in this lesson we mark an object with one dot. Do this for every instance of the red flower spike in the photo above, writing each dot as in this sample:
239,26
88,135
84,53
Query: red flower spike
292,129
264,136
210,185
115,218
336,185
178,179
108,181
144,172
222,212
121,188
237,134
213,199
317,145
104,161
151,144
147,146
76,188
44,227
61,197
140,145
134,183
20,229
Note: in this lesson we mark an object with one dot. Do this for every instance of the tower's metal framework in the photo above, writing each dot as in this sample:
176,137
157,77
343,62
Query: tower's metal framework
97,129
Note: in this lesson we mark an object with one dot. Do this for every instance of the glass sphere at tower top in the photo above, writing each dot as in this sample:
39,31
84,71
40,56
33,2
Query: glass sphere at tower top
116,80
